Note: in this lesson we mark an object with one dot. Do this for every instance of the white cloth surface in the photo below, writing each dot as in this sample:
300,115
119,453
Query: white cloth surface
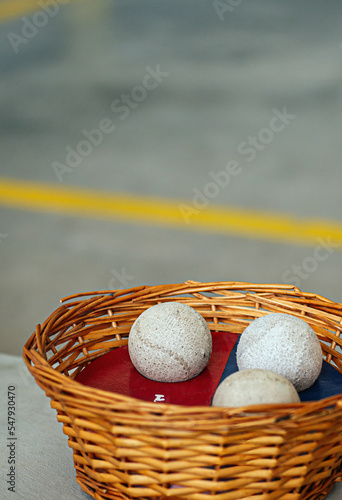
44,465
44,468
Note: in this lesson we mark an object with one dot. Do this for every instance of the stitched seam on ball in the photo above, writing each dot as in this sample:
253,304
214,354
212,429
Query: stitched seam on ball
174,356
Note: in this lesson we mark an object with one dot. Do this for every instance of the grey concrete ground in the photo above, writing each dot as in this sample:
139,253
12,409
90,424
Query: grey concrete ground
224,76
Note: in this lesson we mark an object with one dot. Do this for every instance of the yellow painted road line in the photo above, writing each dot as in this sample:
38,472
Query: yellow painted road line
138,209
10,9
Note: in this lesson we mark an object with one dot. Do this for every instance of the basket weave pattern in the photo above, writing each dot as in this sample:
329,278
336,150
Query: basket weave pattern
126,448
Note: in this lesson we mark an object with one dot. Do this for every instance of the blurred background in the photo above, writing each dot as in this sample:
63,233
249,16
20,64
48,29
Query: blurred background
148,142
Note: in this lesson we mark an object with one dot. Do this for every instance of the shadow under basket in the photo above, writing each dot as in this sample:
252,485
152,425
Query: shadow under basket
127,448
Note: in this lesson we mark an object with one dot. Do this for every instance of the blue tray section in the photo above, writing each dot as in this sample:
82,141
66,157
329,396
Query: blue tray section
329,383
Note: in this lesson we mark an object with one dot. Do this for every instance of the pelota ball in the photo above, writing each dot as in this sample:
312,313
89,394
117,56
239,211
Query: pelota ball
284,344
254,387
170,342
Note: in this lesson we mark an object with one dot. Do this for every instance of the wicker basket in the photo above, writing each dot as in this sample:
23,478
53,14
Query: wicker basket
127,448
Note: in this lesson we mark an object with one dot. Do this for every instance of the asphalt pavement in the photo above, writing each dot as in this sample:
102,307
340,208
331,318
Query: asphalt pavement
162,101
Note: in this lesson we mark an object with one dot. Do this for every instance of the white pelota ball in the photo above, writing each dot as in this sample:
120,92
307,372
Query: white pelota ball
254,387
170,342
284,344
